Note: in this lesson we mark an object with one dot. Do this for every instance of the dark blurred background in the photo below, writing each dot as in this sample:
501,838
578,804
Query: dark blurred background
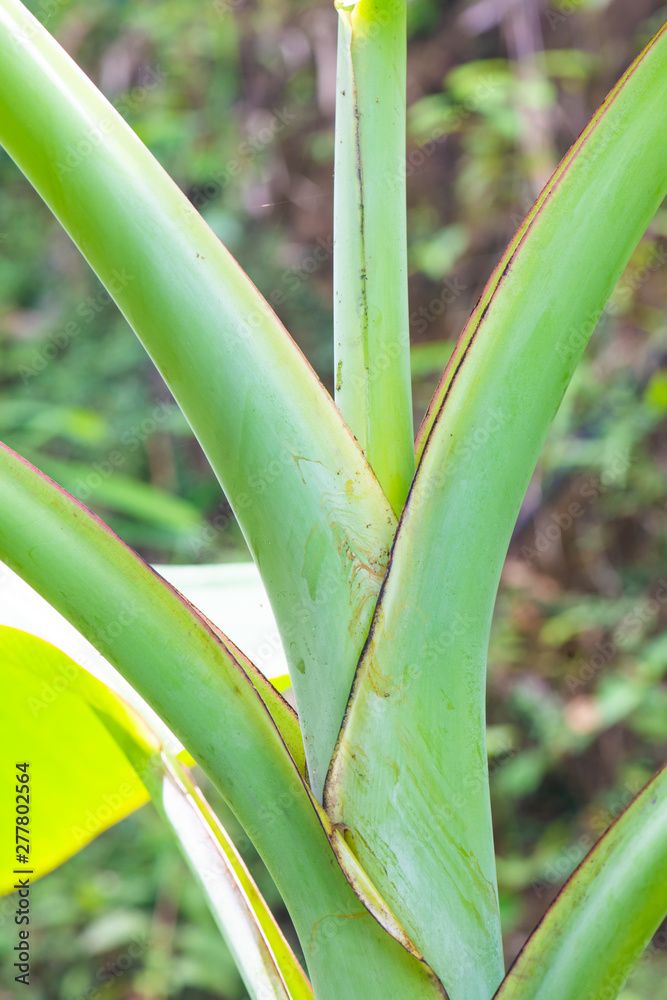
235,98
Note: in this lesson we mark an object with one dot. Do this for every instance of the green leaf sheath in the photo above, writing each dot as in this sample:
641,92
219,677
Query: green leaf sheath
284,717
313,514
184,672
605,915
371,328
546,295
409,778
261,953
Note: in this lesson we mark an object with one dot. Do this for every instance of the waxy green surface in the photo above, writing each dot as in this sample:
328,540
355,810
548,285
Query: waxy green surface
371,326
605,915
410,777
313,514
189,676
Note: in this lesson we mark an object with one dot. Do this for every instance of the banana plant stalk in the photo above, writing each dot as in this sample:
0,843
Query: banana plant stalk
371,335
370,806
228,361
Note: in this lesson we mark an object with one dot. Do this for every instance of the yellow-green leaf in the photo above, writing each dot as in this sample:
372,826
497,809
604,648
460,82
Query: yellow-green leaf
80,781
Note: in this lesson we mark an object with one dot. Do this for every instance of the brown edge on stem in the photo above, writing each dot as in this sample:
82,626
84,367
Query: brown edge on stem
368,894
428,426
453,368
485,301
569,885
219,637
377,908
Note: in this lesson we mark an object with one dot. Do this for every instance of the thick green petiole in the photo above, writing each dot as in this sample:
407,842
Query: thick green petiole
315,519
597,927
185,672
371,335
409,779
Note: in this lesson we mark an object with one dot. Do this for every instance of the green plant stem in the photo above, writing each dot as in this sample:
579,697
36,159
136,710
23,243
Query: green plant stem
313,514
258,946
605,915
371,330
409,778
184,672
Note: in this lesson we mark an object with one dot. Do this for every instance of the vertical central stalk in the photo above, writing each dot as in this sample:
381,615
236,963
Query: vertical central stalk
371,331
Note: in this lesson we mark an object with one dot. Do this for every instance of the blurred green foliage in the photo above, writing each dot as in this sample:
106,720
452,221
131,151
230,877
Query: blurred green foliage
124,918
235,98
